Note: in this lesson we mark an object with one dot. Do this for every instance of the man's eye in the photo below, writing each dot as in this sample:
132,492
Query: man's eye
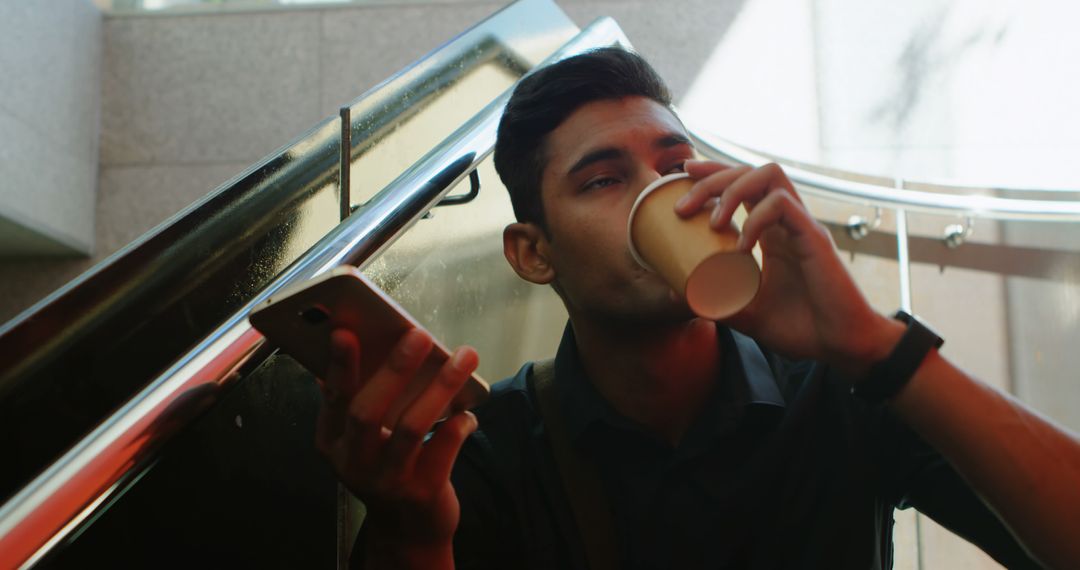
599,183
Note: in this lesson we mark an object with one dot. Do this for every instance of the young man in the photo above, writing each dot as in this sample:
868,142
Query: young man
738,444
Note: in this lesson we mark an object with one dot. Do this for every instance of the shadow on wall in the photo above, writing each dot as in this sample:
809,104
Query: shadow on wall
925,58
996,258
676,37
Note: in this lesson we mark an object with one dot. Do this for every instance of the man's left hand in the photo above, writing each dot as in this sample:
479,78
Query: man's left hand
807,305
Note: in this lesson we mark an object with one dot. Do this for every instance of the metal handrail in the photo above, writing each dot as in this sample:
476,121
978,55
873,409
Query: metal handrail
77,355
831,187
53,504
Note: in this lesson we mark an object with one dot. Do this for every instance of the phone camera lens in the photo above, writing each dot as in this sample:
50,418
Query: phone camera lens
315,315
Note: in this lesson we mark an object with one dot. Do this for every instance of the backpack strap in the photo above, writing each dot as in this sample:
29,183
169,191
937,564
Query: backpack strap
579,476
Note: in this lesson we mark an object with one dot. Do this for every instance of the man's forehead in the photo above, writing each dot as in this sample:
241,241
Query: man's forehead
611,123
605,117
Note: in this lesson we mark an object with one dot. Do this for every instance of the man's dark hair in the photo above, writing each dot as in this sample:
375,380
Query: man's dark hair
543,100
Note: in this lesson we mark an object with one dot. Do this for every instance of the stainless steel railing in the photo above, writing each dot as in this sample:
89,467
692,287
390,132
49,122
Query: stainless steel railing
76,356
875,195
69,490
901,198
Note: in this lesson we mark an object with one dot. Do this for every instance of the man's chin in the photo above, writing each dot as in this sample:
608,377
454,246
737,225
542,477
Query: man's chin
651,302
670,309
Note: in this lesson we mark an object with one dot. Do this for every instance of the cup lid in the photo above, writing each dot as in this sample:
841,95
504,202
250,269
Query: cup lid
637,203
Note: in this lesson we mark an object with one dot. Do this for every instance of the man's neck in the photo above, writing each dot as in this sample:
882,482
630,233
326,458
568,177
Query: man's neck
658,376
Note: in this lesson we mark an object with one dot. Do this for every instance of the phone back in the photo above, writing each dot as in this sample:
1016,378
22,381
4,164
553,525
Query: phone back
301,319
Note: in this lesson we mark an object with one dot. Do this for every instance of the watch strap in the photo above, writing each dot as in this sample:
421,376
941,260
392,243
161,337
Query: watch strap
886,378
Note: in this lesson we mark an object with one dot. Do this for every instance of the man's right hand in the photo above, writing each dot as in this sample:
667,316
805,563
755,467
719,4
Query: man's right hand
403,480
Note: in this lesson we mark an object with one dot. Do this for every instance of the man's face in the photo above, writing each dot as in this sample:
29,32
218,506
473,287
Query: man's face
598,161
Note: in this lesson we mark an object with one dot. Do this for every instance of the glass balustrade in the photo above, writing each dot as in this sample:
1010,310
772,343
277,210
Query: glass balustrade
1004,293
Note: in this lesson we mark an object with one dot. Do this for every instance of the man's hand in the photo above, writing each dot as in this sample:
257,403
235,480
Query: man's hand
807,305
1026,468
403,480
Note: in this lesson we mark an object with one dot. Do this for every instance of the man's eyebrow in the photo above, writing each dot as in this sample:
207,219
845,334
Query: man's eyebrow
673,139
608,153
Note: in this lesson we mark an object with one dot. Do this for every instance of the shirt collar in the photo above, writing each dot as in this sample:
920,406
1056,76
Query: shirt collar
749,384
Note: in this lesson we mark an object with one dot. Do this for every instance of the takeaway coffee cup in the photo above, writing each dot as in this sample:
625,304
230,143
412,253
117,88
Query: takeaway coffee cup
699,263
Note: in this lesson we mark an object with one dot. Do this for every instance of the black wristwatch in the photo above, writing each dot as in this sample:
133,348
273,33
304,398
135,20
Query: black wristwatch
887,377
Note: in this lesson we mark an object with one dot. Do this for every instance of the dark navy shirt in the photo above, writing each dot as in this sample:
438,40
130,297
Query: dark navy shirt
782,469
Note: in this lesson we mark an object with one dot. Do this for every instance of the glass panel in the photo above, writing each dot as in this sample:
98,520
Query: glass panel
1007,302
222,450
1042,307
448,271
434,119
871,261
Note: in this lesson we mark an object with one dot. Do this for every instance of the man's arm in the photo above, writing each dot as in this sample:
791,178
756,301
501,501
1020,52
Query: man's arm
1024,467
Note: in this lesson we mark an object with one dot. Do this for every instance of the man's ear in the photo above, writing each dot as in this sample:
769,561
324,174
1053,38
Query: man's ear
527,249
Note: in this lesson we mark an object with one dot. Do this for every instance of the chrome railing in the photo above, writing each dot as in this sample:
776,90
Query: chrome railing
79,354
57,501
902,198
54,503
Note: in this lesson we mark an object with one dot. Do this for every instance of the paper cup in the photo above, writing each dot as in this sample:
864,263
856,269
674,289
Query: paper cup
699,263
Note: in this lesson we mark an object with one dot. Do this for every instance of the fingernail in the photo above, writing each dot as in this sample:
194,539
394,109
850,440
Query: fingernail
690,162
682,202
473,420
459,358
714,218
414,343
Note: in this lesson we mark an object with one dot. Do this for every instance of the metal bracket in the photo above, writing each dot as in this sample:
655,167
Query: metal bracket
858,227
344,165
474,191
956,234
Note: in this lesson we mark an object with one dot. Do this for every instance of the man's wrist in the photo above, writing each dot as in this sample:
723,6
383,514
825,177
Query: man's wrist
887,377
875,344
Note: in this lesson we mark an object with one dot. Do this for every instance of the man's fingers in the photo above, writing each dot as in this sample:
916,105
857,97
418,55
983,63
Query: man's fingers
370,404
342,379
416,421
698,169
707,187
339,385
777,208
750,189
437,458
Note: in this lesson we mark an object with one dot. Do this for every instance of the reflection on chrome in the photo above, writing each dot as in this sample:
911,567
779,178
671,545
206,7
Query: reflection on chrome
942,202
36,518
46,510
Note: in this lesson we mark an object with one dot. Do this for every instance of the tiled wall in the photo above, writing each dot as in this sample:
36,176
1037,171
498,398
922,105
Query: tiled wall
50,70
189,101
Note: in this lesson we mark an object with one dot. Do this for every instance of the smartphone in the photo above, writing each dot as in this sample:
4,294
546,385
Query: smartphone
300,319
